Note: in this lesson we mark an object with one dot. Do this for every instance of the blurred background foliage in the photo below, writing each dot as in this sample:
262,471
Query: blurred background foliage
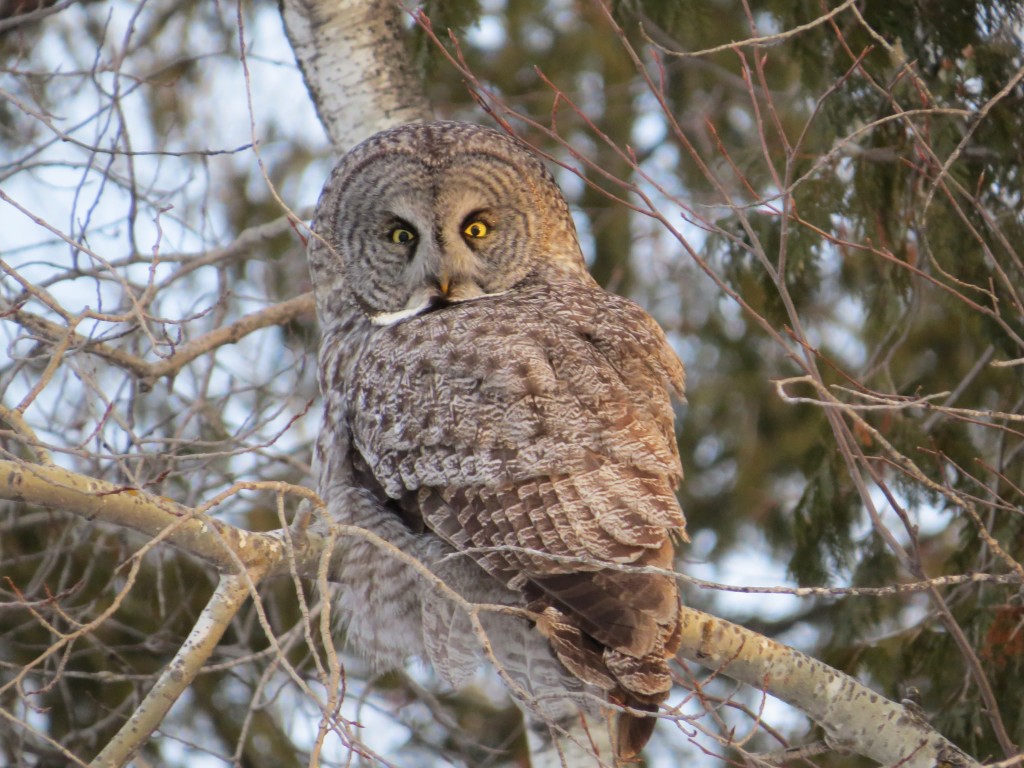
855,182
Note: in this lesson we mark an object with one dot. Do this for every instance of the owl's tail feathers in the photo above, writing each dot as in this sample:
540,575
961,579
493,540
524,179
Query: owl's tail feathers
642,684
634,731
636,683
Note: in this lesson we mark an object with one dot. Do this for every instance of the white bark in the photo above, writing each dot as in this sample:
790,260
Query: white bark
855,718
356,67
221,545
232,592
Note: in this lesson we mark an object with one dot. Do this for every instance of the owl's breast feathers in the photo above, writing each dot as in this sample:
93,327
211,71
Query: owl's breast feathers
536,433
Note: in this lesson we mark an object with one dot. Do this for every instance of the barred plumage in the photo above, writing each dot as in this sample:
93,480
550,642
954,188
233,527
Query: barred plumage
484,396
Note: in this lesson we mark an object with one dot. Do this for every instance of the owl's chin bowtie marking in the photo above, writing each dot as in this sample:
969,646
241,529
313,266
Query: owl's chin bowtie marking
429,305
391,318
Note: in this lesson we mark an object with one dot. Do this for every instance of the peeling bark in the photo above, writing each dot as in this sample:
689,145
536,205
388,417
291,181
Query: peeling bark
356,66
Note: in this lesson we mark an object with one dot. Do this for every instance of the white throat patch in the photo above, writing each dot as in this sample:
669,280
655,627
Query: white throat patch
391,318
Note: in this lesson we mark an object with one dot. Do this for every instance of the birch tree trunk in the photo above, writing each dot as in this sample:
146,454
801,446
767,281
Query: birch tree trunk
355,64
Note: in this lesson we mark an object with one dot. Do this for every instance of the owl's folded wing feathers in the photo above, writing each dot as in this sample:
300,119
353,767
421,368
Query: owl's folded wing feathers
547,449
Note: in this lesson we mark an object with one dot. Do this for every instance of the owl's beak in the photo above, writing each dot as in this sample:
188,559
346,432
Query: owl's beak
443,282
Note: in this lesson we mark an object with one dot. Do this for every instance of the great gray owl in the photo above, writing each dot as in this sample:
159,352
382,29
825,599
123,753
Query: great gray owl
496,415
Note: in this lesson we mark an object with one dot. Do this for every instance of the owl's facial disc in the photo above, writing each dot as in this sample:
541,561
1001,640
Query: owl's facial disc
441,233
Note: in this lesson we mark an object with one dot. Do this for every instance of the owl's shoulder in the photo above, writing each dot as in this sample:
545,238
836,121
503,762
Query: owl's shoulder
564,321
619,329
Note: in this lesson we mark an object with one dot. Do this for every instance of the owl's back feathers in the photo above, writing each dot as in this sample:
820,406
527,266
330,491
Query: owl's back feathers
534,431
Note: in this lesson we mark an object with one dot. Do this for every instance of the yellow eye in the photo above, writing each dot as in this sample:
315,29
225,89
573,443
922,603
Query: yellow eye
402,236
475,229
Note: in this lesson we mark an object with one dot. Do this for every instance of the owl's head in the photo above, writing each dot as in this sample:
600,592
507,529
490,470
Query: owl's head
435,213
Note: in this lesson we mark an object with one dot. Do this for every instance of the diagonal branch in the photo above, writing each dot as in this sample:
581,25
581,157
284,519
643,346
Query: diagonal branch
854,718
244,558
205,538
231,593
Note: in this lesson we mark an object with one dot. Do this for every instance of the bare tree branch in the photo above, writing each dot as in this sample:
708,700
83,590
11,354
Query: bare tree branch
214,542
232,591
854,717
149,373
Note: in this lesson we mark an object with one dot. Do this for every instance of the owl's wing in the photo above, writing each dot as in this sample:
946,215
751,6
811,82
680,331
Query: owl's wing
535,431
